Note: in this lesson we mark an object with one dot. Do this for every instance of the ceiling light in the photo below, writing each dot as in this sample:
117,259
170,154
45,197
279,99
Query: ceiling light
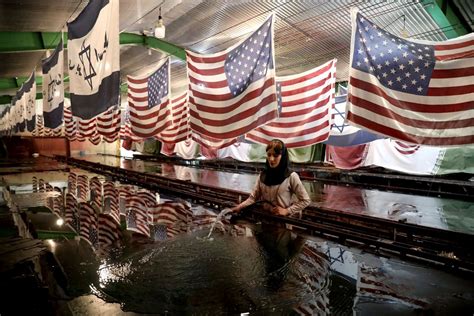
159,27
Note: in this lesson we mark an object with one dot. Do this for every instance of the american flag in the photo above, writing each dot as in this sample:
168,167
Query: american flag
108,124
35,184
137,215
70,125
306,100
159,232
96,192
179,129
41,185
211,142
83,187
420,92
89,224
234,91
169,213
72,183
109,230
58,202
111,201
148,102
72,212
316,300
343,134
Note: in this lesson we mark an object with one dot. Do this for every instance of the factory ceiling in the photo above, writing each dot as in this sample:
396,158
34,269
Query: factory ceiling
307,33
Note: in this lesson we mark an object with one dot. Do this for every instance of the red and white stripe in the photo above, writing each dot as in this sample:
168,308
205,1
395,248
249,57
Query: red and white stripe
111,201
179,130
108,124
442,117
146,121
214,111
306,102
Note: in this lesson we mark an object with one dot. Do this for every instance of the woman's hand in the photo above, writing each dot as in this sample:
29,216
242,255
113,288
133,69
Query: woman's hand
280,211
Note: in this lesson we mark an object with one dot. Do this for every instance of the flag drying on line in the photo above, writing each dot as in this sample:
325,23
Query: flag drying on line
111,201
53,88
342,133
89,224
306,100
420,92
94,70
26,103
109,230
234,91
72,212
148,102
137,215
179,129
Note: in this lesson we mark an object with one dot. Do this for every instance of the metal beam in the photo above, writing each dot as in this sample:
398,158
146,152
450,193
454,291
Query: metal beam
442,13
13,42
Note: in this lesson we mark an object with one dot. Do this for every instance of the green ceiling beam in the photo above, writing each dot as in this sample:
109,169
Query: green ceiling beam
443,14
13,42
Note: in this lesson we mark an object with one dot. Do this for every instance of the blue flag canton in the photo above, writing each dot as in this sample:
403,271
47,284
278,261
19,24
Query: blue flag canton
131,220
75,223
251,60
159,232
158,85
93,236
397,63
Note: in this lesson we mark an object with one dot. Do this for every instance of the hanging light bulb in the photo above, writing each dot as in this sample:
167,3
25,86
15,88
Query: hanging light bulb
160,27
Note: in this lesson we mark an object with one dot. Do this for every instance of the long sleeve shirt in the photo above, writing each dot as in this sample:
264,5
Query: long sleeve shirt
289,194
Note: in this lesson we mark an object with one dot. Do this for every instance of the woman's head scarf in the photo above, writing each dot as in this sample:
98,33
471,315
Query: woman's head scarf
274,176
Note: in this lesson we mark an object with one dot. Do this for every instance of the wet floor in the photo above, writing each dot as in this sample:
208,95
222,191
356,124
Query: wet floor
444,213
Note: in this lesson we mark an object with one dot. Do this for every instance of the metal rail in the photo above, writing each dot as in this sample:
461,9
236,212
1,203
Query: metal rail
424,185
449,248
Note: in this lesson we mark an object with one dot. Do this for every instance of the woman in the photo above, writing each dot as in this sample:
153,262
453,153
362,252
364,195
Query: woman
277,185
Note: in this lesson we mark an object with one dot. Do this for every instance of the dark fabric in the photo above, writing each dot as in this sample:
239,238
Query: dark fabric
274,176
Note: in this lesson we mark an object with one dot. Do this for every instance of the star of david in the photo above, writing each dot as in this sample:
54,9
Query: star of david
86,50
340,128
338,258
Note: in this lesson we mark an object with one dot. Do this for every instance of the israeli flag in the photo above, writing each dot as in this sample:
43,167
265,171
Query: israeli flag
343,134
53,88
27,103
93,59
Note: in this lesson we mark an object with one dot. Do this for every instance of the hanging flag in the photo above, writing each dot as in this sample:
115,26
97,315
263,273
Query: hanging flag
95,189
89,224
72,212
111,201
179,129
342,133
83,192
148,102
137,215
53,88
420,92
70,125
26,100
109,230
211,143
234,91
93,53
306,100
